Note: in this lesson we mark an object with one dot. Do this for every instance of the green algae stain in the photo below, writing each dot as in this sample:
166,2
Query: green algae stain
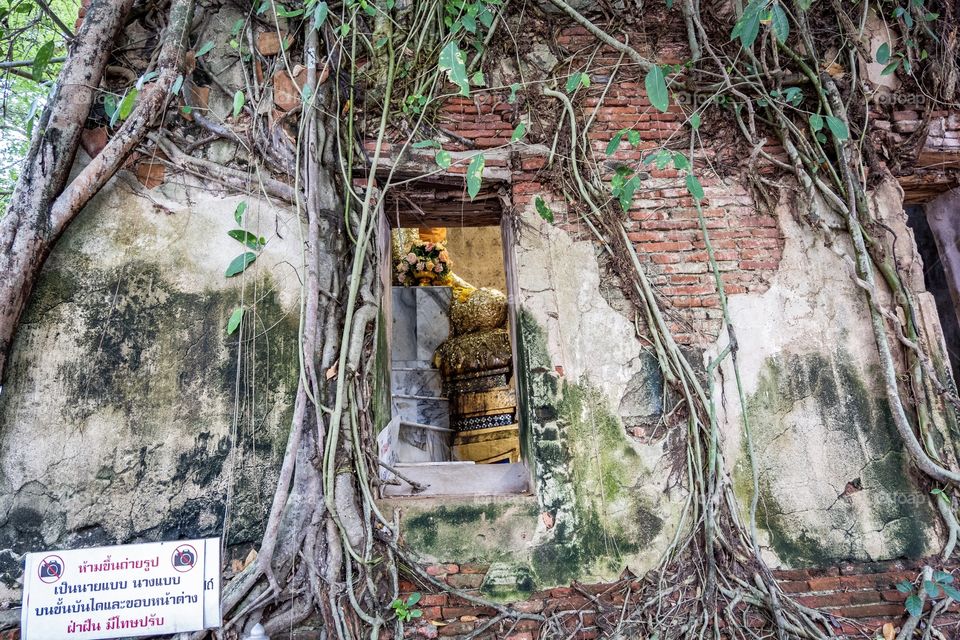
859,425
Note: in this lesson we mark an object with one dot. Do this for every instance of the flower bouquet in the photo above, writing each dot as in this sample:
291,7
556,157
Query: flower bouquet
424,263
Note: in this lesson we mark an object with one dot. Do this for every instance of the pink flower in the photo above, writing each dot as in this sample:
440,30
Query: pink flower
411,258
421,266
429,246
438,268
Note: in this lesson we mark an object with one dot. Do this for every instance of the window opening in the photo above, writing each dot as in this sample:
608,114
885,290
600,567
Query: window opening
455,426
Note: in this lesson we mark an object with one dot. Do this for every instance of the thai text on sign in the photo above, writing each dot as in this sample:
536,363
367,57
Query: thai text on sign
122,591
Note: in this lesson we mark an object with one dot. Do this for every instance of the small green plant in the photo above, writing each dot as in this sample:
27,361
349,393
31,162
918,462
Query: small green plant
404,610
941,584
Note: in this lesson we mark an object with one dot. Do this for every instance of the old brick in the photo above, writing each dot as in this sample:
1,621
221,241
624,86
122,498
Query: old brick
824,584
869,611
268,43
459,612
433,599
286,90
465,580
474,568
529,606
457,629
442,569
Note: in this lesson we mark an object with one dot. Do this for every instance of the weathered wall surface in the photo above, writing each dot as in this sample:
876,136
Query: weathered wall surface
834,481
129,414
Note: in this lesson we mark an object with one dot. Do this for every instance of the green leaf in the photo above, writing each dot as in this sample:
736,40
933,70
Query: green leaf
443,159
177,85
615,141
914,605
932,588
396,604
426,144
626,192
110,106
186,109
239,264
247,238
891,67
413,599
656,86
838,128
238,101
816,122
320,14
747,27
208,46
573,82
478,80
126,105
234,322
544,210
633,137
695,121
452,62
680,161
145,78
416,613
943,577
42,59
883,54
904,586
513,92
694,187
951,592
779,23
519,132
475,175
236,28
239,211
469,23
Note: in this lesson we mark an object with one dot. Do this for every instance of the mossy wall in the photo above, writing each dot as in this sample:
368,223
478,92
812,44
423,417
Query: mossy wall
129,414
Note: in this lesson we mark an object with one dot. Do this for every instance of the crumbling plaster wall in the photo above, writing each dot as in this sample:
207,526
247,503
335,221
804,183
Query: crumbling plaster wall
127,413
834,482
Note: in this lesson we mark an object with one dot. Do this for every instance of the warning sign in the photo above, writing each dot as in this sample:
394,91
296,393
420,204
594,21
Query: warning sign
122,591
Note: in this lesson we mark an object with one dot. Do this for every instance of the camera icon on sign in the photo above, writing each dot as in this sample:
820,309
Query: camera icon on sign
51,569
184,558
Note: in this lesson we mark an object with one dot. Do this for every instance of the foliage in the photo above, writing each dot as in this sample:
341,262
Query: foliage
404,610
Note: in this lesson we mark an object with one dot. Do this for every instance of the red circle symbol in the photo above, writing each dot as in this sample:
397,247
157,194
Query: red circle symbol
50,569
184,558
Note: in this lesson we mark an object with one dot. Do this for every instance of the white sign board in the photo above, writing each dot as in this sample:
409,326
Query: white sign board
122,591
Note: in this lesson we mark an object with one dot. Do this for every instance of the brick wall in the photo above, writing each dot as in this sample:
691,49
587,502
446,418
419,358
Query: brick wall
662,223
858,598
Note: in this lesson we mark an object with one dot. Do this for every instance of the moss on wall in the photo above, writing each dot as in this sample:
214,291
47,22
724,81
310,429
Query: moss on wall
863,503
585,473
176,415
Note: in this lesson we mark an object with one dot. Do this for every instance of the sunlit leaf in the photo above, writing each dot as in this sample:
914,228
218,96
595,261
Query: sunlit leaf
239,211
443,159
126,105
239,99
245,237
656,86
694,187
779,23
42,59
234,323
452,62
544,210
519,132
475,175
838,128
